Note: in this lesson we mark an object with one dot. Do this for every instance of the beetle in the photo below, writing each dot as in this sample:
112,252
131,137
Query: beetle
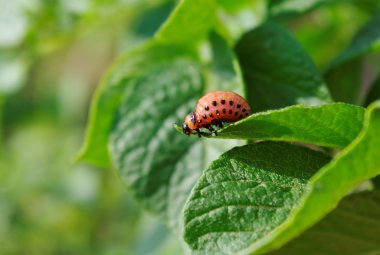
215,108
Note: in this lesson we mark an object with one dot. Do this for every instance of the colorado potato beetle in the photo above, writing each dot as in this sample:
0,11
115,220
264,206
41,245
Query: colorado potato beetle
215,108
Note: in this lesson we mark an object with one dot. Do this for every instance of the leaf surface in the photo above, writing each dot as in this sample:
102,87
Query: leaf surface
107,98
277,70
353,228
332,125
245,194
358,162
232,210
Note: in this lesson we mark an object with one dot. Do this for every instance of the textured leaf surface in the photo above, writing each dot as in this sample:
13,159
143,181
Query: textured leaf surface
332,125
108,98
158,173
277,70
358,162
222,215
159,166
245,194
343,75
353,228
189,22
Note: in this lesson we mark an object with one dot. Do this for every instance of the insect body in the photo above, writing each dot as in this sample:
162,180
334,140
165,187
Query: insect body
214,109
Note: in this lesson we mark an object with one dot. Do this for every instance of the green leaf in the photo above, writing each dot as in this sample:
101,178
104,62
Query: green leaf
352,229
189,22
374,92
159,173
108,96
332,125
158,165
224,72
233,6
376,182
358,162
277,70
343,75
371,6
245,194
255,199
294,8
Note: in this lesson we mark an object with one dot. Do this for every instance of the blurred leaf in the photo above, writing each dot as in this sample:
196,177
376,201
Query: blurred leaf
276,212
233,6
352,229
331,22
374,92
150,20
376,182
108,98
344,82
245,194
343,74
294,8
224,71
277,71
190,21
371,6
13,72
332,125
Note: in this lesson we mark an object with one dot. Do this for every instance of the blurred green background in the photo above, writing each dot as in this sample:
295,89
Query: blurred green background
53,54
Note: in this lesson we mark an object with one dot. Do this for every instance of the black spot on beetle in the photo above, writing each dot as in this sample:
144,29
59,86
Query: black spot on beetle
231,102
214,103
230,111
238,105
204,116
224,110
217,112
212,116
223,101
236,113
244,110
241,116
207,108
246,114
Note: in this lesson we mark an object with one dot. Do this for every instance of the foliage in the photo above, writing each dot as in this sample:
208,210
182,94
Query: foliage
286,180
255,198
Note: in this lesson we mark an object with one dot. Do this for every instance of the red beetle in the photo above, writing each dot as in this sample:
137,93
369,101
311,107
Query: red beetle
215,108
